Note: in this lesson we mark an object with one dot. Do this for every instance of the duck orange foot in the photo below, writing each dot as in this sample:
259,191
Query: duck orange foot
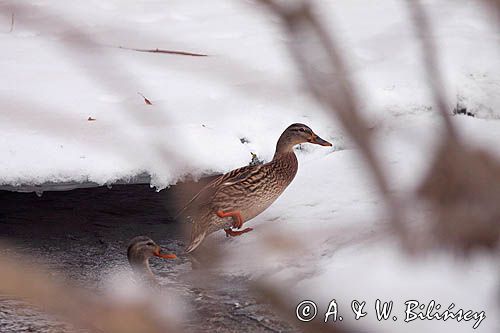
234,233
236,215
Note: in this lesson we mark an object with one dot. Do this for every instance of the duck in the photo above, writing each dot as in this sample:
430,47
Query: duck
139,250
241,194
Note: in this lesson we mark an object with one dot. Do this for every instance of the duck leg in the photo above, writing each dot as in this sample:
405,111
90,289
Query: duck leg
234,233
237,223
236,215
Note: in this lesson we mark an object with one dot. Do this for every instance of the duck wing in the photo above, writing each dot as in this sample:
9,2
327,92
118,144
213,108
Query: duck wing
207,194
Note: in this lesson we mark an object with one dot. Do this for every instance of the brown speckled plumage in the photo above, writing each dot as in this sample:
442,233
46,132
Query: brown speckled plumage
248,190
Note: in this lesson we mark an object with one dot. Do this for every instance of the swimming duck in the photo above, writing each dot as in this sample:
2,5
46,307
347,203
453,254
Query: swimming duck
139,250
241,194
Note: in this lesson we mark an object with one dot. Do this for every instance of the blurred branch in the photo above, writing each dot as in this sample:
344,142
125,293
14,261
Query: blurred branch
83,309
281,302
495,4
462,184
114,78
12,23
61,125
330,83
424,30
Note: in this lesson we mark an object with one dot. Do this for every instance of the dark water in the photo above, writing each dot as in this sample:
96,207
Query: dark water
82,235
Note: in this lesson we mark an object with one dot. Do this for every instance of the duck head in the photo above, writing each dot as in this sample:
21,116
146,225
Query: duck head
296,134
140,249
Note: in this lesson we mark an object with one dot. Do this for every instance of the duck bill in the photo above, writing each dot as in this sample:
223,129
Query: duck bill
164,255
319,141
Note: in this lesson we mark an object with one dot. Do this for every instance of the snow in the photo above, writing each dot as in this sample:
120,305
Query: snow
61,65
321,243
202,106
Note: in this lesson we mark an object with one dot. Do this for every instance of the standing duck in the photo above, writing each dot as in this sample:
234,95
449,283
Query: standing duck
139,250
241,194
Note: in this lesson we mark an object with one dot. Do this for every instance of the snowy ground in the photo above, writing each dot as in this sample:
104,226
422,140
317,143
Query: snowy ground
248,90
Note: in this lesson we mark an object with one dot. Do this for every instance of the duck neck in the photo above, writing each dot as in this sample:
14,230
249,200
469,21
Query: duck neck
141,269
283,148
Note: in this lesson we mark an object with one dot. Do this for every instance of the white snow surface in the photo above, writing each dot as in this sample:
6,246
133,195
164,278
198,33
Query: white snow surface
61,65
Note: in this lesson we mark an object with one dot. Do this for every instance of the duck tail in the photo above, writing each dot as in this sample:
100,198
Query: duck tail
196,240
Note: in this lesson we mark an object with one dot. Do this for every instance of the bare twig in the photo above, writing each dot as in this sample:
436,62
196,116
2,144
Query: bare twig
165,51
12,23
147,101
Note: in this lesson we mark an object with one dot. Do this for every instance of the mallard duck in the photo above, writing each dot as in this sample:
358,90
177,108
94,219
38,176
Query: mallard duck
139,250
242,194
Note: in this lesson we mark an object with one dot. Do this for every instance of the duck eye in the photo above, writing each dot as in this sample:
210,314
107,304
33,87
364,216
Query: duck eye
150,244
302,130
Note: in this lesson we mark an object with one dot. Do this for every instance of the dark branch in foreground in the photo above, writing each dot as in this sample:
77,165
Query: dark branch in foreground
332,86
85,310
165,51
429,52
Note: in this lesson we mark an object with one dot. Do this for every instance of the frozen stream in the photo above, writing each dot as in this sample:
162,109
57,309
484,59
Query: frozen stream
82,234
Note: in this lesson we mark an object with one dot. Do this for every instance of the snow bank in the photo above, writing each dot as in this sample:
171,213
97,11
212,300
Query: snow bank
203,106
330,242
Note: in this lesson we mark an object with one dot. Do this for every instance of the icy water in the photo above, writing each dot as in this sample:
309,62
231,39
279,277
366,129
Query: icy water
83,234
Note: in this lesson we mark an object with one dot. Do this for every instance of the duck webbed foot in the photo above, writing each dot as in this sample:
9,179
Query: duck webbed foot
236,215
234,233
